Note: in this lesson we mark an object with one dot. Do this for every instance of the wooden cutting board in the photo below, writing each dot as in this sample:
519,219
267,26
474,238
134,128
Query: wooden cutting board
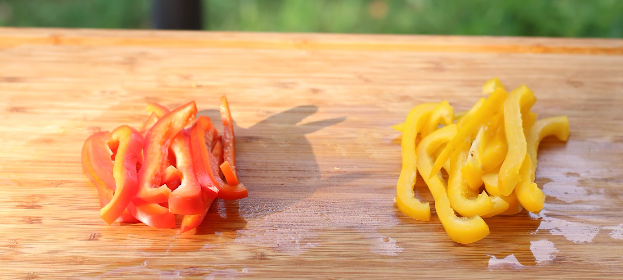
315,148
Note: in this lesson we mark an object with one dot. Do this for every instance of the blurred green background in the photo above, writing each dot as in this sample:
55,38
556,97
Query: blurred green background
561,18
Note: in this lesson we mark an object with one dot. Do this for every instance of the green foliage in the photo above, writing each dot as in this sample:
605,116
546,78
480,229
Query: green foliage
565,18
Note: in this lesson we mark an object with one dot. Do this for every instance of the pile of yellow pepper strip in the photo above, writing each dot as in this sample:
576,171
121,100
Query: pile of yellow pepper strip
493,144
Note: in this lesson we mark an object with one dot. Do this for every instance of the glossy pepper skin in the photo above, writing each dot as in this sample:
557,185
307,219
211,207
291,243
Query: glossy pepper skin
129,144
156,150
229,151
461,230
463,199
98,167
471,170
187,198
488,109
206,164
442,114
517,100
405,196
528,193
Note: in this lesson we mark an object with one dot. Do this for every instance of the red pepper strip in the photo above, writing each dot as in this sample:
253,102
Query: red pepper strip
192,221
206,165
187,199
217,151
151,214
173,185
130,145
96,151
157,109
171,174
148,123
229,153
156,151
229,174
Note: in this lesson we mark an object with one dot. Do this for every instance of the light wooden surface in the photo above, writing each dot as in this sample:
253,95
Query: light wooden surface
315,148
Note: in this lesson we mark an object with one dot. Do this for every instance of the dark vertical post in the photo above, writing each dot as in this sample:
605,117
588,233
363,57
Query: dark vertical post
177,14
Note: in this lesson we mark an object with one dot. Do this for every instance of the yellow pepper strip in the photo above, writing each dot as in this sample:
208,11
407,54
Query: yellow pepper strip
463,119
496,150
460,114
491,85
443,114
558,126
509,172
446,165
491,185
399,127
472,167
528,121
460,229
405,196
488,109
499,206
465,200
528,193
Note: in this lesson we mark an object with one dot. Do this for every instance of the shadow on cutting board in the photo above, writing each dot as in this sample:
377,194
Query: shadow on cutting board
277,164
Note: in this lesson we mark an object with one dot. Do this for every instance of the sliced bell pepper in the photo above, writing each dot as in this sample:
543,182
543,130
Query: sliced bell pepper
496,150
463,199
488,109
229,151
443,114
206,164
461,230
171,174
148,123
472,168
400,127
517,100
192,221
499,206
491,185
129,144
528,193
405,196
187,199
463,120
95,152
228,172
157,109
491,85
156,150
152,214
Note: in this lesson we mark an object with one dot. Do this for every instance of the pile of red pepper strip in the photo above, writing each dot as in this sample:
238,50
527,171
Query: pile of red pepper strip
173,165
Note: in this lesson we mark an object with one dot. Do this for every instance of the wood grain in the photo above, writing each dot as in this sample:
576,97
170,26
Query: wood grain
313,115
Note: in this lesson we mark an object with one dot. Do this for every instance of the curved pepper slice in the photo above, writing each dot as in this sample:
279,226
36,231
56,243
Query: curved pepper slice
462,230
472,168
192,221
491,85
228,172
157,109
156,150
489,107
148,123
528,193
465,200
187,198
229,151
463,120
458,115
95,152
517,100
491,185
443,114
152,214
206,165
405,196
129,147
